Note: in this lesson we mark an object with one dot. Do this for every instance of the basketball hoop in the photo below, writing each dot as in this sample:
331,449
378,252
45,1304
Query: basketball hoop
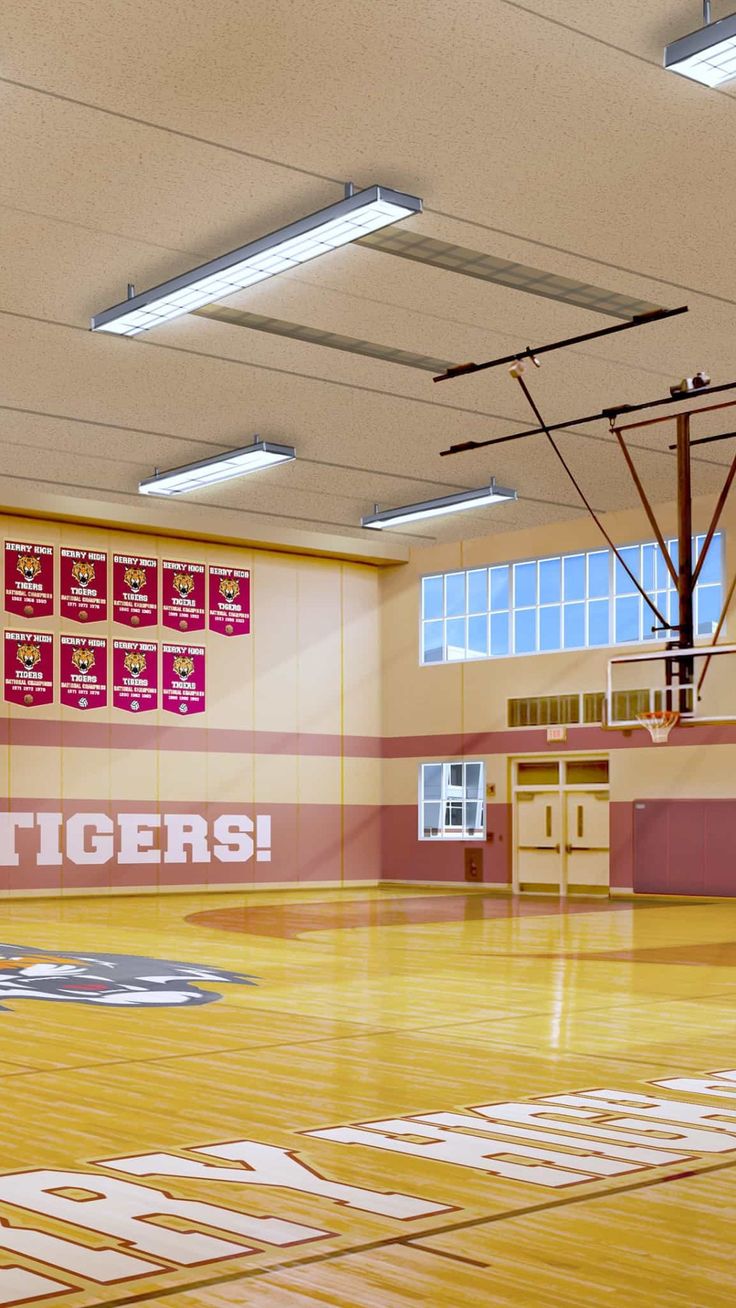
659,724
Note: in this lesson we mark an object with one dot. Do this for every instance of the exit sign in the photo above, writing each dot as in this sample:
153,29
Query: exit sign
556,733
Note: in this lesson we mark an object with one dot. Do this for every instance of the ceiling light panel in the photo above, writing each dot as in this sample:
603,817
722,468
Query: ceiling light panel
222,467
350,219
473,499
708,55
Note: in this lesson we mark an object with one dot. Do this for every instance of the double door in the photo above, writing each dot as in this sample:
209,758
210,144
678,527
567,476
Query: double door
561,825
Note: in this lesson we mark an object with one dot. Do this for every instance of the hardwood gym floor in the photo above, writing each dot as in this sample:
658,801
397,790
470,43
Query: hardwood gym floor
370,1007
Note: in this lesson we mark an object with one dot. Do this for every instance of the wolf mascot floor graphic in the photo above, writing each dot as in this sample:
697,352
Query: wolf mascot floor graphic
115,980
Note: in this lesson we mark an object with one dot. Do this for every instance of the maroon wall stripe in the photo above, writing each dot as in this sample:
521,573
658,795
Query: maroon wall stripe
682,847
58,733
534,740
407,858
309,842
66,733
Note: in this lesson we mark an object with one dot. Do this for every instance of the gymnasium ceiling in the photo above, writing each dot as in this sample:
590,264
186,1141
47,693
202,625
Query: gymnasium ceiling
139,139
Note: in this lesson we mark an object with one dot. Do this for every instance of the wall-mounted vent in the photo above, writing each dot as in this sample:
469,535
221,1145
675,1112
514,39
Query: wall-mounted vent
594,707
544,711
587,708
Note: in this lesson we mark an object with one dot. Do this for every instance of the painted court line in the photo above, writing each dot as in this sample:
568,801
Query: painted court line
444,1253
368,1032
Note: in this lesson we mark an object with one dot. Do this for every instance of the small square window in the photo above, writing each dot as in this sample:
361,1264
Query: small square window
575,577
499,634
598,620
432,588
455,639
713,566
549,627
708,608
478,637
499,589
473,780
628,610
574,626
624,583
525,631
550,581
525,584
648,567
454,594
478,591
433,781
433,642
599,574
452,801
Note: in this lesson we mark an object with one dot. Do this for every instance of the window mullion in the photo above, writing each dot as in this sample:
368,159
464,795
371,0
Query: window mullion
611,598
512,611
587,600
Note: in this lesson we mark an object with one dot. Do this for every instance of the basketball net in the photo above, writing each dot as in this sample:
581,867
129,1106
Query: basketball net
659,724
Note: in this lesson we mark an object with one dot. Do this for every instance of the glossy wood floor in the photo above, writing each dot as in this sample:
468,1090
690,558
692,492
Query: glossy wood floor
373,1005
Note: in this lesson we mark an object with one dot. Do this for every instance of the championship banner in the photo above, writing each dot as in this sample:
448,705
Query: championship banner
230,601
183,595
29,579
83,583
83,671
134,675
29,668
134,590
183,679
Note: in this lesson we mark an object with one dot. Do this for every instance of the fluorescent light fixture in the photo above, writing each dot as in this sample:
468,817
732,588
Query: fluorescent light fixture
348,220
473,499
708,55
222,467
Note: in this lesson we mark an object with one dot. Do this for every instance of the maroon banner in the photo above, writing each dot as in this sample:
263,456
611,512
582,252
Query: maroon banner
183,679
83,585
29,579
134,675
29,668
134,590
183,595
83,671
230,601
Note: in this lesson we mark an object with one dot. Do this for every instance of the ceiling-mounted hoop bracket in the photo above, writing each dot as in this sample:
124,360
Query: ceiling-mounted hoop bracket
531,352
613,411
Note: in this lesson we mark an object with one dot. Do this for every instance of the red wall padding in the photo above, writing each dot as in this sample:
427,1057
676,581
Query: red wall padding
685,846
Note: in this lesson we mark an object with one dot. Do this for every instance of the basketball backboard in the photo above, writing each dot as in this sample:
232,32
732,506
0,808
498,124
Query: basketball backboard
699,683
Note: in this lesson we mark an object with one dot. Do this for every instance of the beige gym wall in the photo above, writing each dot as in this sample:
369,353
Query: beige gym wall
459,710
291,728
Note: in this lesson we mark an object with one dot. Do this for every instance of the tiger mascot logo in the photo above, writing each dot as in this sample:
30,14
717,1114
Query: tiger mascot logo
29,566
135,663
28,655
229,588
183,584
111,980
135,579
183,666
83,573
83,659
